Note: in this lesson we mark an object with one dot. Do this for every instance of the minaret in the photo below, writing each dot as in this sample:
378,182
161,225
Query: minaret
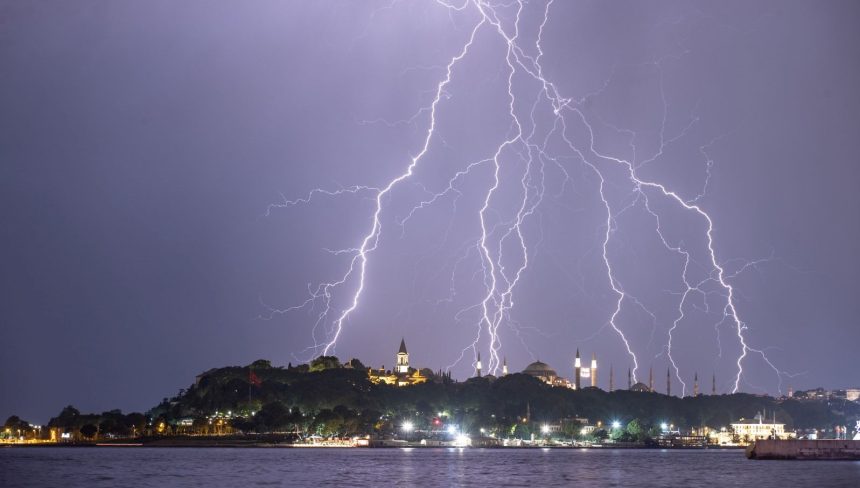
505,367
577,370
714,384
668,383
791,394
629,379
593,370
611,378
478,366
651,379
402,361
696,384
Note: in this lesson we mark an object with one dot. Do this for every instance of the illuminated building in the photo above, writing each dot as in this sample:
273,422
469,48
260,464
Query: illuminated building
543,372
402,375
750,430
581,376
593,370
587,375
402,358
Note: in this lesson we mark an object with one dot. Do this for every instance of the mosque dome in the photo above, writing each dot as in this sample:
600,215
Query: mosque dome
641,387
540,369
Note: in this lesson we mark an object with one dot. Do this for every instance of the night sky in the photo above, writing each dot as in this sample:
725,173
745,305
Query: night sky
143,144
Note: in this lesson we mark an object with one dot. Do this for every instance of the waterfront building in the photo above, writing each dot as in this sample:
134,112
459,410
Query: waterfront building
747,431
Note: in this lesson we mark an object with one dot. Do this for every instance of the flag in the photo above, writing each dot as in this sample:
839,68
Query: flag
254,379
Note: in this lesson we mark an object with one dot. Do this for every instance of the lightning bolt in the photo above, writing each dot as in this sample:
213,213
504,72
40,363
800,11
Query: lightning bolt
526,146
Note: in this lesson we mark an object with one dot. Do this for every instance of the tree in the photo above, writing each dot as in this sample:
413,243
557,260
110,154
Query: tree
356,364
323,363
272,417
635,430
15,423
68,417
89,430
261,364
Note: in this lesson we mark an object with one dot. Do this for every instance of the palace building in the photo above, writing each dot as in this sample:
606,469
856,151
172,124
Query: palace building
401,375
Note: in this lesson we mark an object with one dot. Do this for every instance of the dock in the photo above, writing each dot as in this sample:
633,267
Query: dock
829,449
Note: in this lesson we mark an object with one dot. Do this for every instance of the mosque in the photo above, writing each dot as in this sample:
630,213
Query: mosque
582,377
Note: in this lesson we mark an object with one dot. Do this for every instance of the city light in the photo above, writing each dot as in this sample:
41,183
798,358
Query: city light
451,429
462,441
544,429
616,424
664,426
408,426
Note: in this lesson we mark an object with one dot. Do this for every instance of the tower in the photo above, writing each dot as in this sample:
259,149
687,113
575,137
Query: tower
695,384
402,361
505,367
577,370
668,383
478,366
593,370
611,378
714,384
651,379
629,378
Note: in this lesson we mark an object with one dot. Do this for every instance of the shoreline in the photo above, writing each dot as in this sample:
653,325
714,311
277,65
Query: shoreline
209,444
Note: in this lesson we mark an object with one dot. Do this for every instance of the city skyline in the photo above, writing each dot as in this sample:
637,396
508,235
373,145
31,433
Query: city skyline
182,191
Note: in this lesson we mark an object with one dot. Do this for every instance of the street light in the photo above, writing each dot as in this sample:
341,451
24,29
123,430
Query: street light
408,426
616,424
664,426
544,429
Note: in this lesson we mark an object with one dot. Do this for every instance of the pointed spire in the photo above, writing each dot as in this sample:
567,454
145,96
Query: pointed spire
403,347
651,379
478,366
629,378
696,384
668,382
714,384
505,366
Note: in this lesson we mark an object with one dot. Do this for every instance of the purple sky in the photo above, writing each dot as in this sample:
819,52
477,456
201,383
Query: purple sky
142,143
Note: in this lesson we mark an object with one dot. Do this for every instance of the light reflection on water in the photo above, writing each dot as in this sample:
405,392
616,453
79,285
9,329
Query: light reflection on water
215,467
